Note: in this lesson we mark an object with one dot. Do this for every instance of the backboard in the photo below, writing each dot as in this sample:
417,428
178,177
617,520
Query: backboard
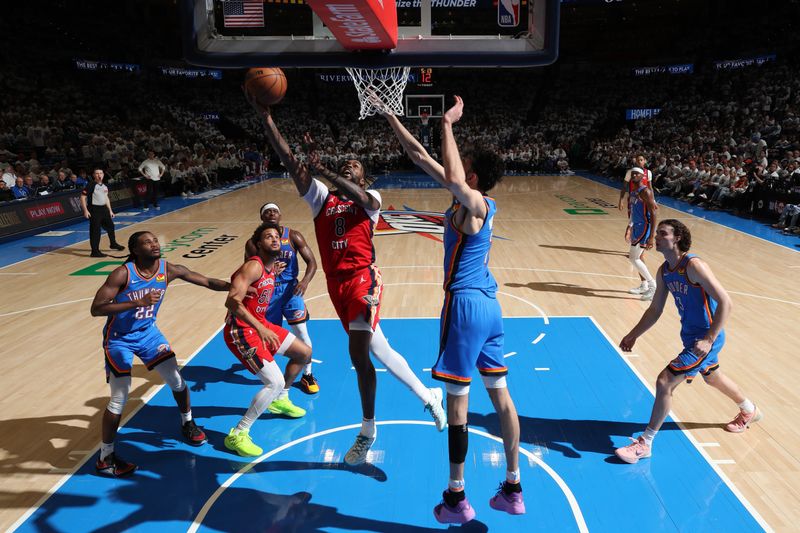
431,33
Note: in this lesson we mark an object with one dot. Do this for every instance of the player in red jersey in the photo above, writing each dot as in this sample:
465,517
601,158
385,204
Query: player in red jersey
253,340
344,220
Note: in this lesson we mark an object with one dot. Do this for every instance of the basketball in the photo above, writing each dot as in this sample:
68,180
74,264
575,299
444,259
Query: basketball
266,84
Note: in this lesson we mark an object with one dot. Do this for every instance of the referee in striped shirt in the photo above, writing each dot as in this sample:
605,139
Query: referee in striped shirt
97,208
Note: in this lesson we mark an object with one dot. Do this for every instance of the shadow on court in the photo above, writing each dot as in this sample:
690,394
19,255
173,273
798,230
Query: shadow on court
583,249
571,437
568,288
152,500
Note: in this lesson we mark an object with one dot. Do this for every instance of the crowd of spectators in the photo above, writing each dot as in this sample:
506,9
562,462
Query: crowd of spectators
722,141
722,137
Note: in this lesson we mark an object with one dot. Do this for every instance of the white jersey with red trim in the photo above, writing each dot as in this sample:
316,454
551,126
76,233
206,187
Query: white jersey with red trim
344,231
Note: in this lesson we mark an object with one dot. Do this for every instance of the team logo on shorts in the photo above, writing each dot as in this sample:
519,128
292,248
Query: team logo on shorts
370,300
299,314
161,277
163,348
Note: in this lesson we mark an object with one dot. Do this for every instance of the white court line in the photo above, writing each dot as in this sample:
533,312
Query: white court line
182,284
537,339
747,505
427,369
316,361
573,502
630,354
509,354
723,461
91,452
376,370
708,444
542,368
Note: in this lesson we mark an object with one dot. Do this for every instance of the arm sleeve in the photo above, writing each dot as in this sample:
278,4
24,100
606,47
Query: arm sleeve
374,215
315,197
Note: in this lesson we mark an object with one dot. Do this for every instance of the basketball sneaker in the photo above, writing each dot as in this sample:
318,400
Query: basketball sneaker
649,293
308,384
287,408
114,466
193,434
641,289
461,513
510,502
241,443
357,454
744,420
638,449
436,409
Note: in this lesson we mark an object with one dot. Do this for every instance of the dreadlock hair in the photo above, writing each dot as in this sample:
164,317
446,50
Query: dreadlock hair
488,166
260,231
679,229
133,240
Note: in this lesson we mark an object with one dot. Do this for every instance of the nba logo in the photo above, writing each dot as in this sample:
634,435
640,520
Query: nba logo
508,13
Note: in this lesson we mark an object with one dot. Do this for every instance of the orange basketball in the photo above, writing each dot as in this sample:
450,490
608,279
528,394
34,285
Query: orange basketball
266,84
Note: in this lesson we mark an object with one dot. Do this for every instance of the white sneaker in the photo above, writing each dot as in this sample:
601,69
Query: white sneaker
641,289
436,409
357,454
649,293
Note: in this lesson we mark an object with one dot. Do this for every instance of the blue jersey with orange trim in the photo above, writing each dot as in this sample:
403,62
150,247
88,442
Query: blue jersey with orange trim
138,318
288,255
640,216
466,257
695,306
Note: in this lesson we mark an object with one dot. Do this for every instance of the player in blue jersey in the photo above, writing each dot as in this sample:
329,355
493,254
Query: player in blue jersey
130,298
704,307
287,300
642,230
471,322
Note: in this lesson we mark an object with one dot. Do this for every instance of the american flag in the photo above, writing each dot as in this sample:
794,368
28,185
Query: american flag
243,14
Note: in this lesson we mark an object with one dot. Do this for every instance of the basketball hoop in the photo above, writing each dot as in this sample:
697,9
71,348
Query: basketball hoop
424,117
380,90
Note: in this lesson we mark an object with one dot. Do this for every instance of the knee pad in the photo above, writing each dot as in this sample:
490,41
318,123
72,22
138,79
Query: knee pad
457,440
456,389
120,386
494,382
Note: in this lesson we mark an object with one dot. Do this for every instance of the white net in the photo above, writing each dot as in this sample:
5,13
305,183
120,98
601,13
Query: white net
380,90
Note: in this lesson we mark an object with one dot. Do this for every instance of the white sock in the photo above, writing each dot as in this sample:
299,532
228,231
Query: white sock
368,427
307,369
747,406
512,477
649,435
106,450
283,395
185,417
455,485
398,366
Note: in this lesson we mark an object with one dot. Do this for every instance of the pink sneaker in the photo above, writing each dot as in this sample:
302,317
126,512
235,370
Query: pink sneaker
743,421
638,449
511,503
460,514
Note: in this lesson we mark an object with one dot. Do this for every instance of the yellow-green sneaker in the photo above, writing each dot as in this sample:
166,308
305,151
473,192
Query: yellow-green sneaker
241,443
287,408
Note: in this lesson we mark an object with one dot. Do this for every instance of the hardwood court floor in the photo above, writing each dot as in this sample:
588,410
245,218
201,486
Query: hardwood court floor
545,259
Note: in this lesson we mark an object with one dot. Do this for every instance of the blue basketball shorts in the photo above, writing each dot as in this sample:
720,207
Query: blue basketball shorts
471,336
148,344
689,364
285,303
